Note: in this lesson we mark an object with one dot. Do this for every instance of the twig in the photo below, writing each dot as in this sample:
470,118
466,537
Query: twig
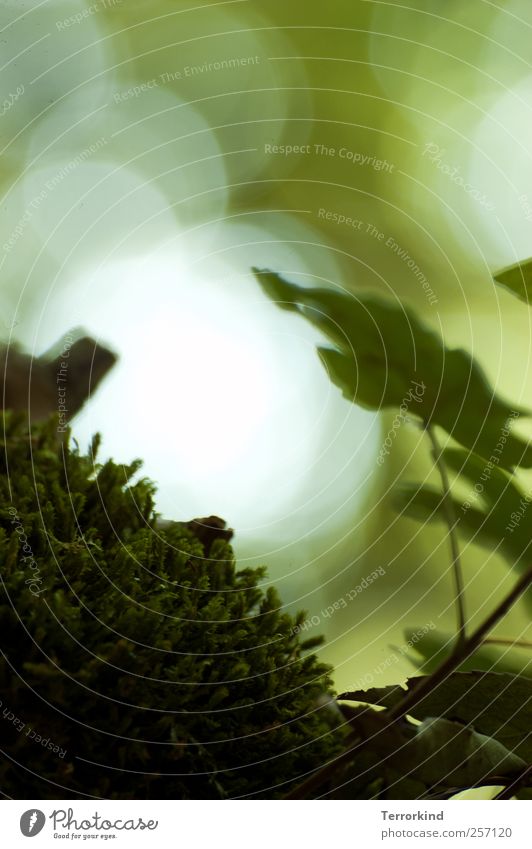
471,644
425,686
450,517
503,641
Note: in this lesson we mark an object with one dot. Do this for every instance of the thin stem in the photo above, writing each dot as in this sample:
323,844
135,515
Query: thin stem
450,517
503,641
471,644
424,686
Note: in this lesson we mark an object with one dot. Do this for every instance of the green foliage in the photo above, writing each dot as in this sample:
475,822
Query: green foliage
517,279
495,518
383,356
472,727
139,662
151,666
435,758
498,704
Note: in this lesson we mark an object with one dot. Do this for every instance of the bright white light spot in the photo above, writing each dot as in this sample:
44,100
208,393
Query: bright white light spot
221,393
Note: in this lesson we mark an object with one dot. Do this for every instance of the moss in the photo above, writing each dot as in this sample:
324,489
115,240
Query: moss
136,663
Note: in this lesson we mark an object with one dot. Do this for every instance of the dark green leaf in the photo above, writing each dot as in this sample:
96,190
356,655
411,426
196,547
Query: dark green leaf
450,754
398,760
493,703
381,696
383,356
517,279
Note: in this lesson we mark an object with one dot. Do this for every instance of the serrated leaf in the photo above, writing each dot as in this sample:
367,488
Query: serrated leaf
493,703
454,755
517,279
407,761
380,696
383,356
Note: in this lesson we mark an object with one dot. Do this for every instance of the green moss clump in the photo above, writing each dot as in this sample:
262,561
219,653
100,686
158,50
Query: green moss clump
135,663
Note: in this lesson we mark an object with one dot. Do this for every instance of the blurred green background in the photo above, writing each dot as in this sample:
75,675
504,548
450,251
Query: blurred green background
153,150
